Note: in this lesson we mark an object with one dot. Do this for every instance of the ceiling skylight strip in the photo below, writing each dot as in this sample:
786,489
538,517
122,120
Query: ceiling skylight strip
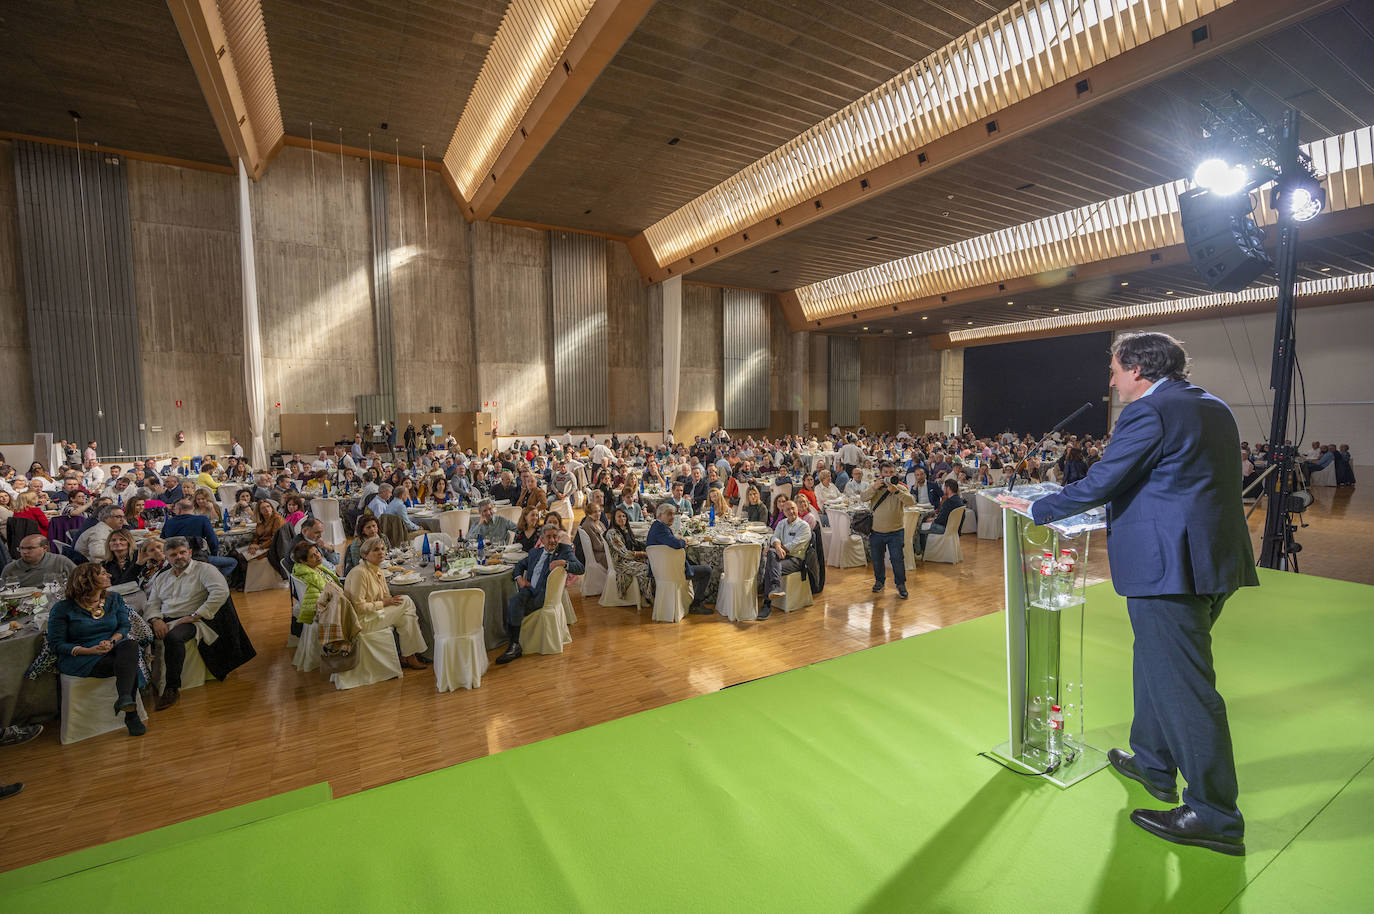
1163,310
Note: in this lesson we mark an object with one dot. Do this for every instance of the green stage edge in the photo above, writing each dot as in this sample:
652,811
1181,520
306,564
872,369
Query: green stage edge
850,785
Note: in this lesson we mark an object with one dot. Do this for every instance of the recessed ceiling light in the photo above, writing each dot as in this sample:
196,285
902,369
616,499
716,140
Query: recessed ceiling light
1168,291
1326,269
1056,309
865,328
909,332
1011,302
1125,284
949,196
970,323
925,317
944,213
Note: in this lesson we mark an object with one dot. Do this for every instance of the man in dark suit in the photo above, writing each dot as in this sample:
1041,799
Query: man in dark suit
1178,547
697,488
189,524
937,524
531,576
661,534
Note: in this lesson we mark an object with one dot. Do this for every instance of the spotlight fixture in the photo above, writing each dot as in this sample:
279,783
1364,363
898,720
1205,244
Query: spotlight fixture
1304,201
925,317
1221,177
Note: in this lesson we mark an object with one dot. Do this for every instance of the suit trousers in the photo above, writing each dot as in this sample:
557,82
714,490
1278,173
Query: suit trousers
521,605
1180,719
774,569
891,543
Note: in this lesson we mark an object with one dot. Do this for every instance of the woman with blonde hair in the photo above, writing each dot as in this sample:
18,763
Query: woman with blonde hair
715,498
377,609
203,503
27,506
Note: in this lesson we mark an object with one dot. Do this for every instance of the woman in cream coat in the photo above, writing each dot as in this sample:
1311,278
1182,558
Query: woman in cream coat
378,609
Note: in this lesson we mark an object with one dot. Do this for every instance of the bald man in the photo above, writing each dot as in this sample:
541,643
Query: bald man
34,563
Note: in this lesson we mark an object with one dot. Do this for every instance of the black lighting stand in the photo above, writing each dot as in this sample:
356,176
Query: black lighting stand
1277,548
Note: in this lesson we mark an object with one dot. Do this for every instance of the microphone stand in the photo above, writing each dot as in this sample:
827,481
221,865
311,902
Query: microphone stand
1063,422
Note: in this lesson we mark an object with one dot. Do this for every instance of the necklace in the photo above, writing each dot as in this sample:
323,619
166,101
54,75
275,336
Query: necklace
97,612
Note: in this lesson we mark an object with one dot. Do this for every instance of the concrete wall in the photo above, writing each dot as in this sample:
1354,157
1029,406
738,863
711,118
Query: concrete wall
635,345
16,371
188,286
701,396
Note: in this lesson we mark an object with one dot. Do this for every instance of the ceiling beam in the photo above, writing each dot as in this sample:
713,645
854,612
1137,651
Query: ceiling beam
1329,225
1228,28
606,27
243,102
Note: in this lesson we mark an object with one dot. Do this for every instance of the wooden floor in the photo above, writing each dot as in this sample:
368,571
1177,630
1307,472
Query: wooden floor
270,729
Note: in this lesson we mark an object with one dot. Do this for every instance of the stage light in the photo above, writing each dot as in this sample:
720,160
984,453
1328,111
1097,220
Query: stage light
1221,177
1304,205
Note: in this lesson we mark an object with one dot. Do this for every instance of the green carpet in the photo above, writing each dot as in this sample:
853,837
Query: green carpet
850,785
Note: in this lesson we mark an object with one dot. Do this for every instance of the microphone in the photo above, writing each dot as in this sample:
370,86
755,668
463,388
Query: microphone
1062,422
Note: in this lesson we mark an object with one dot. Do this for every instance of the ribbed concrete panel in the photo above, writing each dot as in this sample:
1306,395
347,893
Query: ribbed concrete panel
578,266
76,242
843,389
747,391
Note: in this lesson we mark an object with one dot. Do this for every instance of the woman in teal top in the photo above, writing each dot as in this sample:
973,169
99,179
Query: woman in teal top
310,568
89,633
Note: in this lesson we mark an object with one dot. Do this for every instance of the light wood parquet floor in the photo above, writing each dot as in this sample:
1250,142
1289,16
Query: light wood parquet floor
271,729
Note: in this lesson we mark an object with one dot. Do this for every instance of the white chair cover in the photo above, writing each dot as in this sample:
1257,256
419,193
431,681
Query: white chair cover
563,508
593,576
226,493
307,656
737,599
944,547
460,652
511,513
260,576
545,631
455,522
843,549
610,592
797,590
435,541
784,488
88,707
326,511
378,661
298,589
672,594
193,668
296,527
970,522
1326,476
911,522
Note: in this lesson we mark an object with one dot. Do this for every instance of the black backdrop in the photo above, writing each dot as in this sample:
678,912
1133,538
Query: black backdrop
1031,385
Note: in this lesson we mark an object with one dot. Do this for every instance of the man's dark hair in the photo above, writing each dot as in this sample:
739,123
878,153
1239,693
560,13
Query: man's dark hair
1157,355
952,485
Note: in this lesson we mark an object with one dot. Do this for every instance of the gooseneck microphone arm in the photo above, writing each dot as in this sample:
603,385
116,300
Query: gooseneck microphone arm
1062,422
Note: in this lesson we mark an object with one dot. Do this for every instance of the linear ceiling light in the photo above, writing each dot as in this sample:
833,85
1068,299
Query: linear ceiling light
1132,223
1164,309
529,42
1023,50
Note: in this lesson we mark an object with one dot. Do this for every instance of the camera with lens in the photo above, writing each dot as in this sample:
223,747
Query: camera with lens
894,480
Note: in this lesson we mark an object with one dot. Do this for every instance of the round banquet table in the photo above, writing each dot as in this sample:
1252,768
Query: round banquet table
989,514
25,700
498,589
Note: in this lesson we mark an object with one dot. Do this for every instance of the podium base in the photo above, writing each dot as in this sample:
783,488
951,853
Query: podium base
1088,760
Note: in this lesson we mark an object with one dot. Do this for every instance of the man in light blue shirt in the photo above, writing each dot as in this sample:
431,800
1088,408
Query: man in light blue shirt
397,508
379,502
786,554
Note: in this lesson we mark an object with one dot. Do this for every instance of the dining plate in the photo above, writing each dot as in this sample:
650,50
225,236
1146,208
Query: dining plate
492,569
409,577
22,593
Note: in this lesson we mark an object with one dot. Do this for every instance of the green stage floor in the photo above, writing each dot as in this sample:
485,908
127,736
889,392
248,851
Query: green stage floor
850,785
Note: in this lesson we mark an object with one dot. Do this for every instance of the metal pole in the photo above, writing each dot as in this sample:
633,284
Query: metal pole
1277,545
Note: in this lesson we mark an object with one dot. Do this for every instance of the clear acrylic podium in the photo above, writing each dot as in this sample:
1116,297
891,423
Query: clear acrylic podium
1044,623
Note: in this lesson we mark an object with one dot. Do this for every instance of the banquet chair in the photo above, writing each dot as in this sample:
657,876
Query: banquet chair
455,522
227,493
782,488
911,522
737,599
672,593
378,661
545,630
511,513
460,650
326,511
193,671
944,547
1326,476
391,527
970,522
260,575
563,508
87,703
307,656
436,540
796,592
594,575
610,591
297,595
843,548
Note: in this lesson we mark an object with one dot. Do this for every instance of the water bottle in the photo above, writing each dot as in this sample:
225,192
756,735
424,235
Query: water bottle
481,550
712,515
226,521
1064,575
641,485
1045,587
425,551
1056,738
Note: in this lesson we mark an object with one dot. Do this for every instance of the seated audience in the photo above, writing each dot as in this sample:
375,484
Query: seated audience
27,506
631,561
312,531
310,568
89,633
937,523
187,594
378,610
531,576
492,529
204,504
784,554
93,543
123,563
34,563
367,528
661,534
184,522
527,534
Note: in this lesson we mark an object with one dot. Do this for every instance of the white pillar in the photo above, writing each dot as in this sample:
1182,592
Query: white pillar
672,349
253,386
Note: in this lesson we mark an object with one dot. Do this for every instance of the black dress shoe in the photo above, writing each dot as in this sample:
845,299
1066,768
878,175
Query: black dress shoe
9,790
877,588
700,609
169,698
1124,763
901,592
765,611
1181,826
135,726
511,653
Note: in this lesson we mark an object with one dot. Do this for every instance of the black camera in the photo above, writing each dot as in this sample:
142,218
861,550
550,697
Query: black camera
894,480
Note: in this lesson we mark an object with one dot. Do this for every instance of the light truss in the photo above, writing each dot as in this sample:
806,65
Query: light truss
529,42
1162,310
1023,50
1132,223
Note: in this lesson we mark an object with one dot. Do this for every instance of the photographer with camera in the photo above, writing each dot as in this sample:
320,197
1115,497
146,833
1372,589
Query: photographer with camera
887,499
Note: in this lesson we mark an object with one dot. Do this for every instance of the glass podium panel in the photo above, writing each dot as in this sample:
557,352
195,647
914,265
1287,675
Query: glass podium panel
1046,580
